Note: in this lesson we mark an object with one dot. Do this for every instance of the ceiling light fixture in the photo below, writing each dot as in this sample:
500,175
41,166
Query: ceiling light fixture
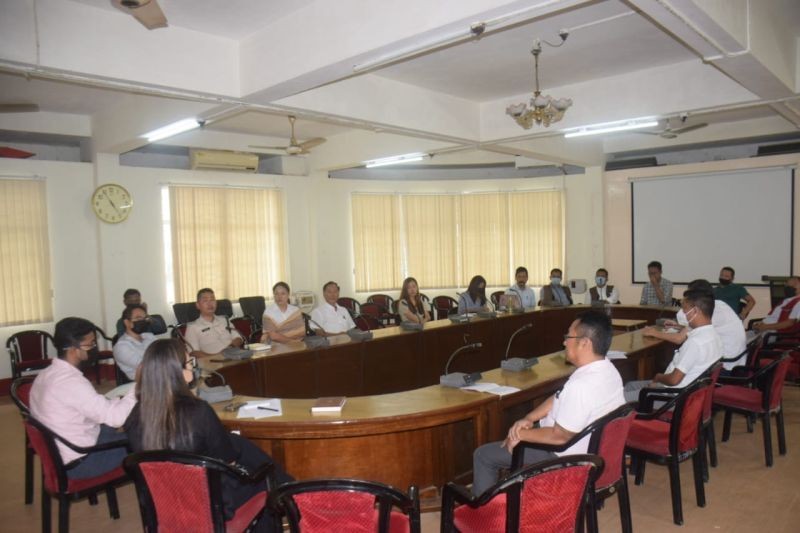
544,109
395,159
172,129
610,127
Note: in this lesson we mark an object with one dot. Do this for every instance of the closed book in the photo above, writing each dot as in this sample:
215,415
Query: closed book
329,404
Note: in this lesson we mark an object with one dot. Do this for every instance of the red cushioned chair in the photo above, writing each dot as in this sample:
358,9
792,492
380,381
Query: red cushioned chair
351,304
549,496
29,350
376,311
55,482
367,323
105,351
21,394
607,439
244,325
180,491
778,343
759,394
329,505
386,303
444,306
495,298
671,441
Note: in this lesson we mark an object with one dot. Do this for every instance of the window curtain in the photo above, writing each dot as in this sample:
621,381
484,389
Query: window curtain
376,242
537,233
484,238
432,239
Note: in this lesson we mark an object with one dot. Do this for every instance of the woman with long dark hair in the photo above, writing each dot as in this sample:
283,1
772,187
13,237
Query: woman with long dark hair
282,321
168,416
410,307
474,298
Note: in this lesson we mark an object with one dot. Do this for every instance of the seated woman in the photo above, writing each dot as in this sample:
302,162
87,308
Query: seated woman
282,321
169,416
474,298
410,306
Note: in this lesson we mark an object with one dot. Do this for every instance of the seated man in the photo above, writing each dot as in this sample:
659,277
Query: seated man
210,333
726,323
331,318
602,292
592,391
526,295
555,294
733,294
129,349
65,402
658,290
702,348
156,325
785,315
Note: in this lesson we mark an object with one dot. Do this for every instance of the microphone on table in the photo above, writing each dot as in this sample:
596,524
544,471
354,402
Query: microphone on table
459,379
316,341
517,364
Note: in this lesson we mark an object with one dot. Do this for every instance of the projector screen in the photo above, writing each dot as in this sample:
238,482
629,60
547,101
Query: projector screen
696,224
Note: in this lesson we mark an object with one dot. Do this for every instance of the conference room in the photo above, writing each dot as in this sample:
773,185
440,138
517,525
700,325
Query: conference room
321,147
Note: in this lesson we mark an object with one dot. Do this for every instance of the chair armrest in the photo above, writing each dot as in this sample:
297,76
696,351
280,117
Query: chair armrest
263,472
736,380
89,449
648,395
459,493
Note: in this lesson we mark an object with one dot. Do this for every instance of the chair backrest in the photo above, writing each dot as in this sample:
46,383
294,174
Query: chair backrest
713,376
253,306
383,300
686,418
345,505
367,323
373,310
30,345
773,391
244,325
444,306
609,443
43,442
495,298
21,393
351,304
185,312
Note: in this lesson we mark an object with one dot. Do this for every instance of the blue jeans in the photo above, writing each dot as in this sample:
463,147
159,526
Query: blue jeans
98,463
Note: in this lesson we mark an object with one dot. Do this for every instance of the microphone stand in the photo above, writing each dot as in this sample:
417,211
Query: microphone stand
459,379
517,364
316,341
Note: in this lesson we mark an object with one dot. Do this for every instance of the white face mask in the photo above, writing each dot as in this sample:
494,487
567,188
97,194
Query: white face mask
555,281
681,319
600,280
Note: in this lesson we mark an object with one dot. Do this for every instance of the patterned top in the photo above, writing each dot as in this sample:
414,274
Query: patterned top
649,293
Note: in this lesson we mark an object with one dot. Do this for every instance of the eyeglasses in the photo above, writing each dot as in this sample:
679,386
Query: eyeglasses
574,337
191,362
87,347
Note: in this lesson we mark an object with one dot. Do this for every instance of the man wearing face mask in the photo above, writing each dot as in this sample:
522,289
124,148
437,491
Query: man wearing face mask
555,294
602,292
702,348
786,314
156,324
129,349
733,294
65,402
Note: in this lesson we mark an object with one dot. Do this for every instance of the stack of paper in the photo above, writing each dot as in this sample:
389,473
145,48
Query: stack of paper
260,409
491,388
615,354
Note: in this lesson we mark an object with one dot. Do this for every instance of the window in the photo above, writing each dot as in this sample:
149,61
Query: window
24,253
445,239
228,239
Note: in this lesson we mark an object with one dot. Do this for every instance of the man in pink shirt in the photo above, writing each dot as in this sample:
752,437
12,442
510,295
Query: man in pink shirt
66,403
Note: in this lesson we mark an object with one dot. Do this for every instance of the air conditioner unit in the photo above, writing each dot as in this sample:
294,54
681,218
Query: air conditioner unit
285,165
222,160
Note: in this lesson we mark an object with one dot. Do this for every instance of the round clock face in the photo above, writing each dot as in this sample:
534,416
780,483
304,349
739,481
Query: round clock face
111,203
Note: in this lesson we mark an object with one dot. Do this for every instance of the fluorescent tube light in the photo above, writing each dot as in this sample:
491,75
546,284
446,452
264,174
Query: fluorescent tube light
611,127
395,159
171,129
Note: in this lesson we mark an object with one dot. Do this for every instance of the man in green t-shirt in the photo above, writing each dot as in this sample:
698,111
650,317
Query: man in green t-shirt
733,294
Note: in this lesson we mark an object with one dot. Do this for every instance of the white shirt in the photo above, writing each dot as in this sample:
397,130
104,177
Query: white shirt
128,352
602,294
731,332
773,317
701,350
527,296
210,337
274,313
332,319
592,391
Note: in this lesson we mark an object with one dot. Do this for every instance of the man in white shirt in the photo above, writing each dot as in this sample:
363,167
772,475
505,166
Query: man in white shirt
787,313
592,391
602,292
129,349
331,318
210,333
702,348
525,294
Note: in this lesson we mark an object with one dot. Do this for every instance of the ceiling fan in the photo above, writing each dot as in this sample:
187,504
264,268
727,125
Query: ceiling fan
19,108
147,12
295,148
669,133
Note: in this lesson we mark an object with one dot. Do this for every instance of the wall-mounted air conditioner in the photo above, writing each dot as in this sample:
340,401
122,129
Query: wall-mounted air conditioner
222,160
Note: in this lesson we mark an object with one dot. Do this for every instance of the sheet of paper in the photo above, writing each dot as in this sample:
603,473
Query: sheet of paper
615,354
491,388
260,409
502,390
120,391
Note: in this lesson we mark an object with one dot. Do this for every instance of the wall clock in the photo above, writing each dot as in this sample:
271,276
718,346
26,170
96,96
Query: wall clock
111,203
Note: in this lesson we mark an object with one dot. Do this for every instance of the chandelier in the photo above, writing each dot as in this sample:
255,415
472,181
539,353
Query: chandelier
543,109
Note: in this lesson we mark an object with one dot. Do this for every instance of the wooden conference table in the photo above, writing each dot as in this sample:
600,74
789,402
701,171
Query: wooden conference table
398,425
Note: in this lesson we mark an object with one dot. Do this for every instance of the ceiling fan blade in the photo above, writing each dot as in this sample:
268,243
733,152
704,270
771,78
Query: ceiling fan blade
147,12
648,132
690,128
19,108
311,143
267,147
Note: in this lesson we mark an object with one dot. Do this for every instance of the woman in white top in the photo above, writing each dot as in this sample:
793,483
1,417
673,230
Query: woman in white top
282,321
410,307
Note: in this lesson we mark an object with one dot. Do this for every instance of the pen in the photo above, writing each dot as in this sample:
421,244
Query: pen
268,409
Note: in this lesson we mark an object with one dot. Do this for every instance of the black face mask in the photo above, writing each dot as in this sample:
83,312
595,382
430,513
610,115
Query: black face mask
91,360
725,282
140,326
789,291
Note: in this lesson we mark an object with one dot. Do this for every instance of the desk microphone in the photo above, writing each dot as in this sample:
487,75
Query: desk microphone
316,341
459,379
517,364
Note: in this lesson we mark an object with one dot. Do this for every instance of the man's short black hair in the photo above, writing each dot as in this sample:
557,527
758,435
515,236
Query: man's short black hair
603,270
69,332
131,292
654,264
129,309
596,327
700,285
556,270
521,269
203,291
324,287
731,270
702,300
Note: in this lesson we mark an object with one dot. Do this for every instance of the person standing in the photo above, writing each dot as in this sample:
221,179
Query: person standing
733,294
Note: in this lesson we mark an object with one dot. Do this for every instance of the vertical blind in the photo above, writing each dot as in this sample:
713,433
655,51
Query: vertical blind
445,239
231,240
24,253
